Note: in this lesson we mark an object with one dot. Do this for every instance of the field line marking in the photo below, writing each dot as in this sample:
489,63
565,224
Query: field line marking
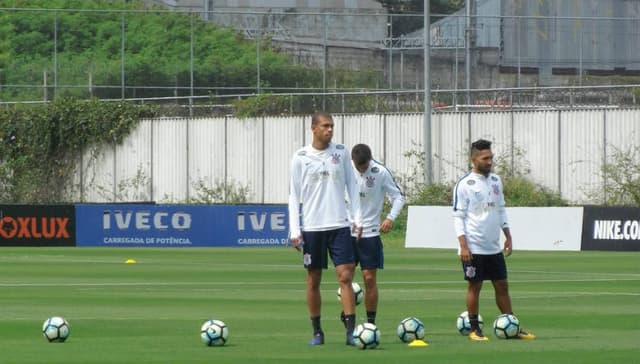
300,282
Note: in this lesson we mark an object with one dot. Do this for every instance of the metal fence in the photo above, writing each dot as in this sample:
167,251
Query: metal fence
351,61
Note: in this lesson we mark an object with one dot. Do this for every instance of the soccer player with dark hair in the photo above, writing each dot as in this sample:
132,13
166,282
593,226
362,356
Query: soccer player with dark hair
375,182
321,176
479,214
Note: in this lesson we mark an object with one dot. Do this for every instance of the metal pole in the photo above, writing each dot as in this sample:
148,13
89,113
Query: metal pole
122,43
467,49
390,49
258,61
191,40
44,84
324,63
402,69
517,25
580,61
55,54
455,72
427,96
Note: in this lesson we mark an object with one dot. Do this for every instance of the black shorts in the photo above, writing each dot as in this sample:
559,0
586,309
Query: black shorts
339,243
485,268
369,252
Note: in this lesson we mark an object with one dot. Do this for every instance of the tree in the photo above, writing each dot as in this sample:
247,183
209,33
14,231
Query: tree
88,46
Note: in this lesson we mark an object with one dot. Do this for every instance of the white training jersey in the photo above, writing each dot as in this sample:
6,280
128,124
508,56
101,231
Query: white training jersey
479,212
374,184
319,180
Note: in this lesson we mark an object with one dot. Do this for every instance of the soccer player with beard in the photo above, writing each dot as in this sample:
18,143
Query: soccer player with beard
479,215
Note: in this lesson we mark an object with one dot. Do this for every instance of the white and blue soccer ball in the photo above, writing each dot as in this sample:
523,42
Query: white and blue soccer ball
464,326
56,329
410,329
357,291
214,333
366,336
506,326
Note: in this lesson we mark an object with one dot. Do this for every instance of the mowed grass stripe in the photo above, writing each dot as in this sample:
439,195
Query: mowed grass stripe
580,304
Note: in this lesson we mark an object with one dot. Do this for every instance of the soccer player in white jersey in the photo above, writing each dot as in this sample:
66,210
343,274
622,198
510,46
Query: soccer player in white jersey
321,175
375,183
479,214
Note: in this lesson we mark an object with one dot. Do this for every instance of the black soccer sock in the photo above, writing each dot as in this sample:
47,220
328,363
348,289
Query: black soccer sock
371,317
342,319
350,322
473,322
315,322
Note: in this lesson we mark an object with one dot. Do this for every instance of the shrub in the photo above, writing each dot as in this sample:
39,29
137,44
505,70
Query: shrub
621,178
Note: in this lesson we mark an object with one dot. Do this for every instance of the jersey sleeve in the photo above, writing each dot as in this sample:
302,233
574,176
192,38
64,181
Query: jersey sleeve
502,210
460,207
294,197
353,190
391,188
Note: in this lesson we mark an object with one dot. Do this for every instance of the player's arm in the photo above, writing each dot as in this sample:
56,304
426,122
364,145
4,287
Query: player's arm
353,190
508,244
390,187
295,235
460,207
504,224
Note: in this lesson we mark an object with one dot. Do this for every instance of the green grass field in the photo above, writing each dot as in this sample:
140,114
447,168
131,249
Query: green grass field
584,307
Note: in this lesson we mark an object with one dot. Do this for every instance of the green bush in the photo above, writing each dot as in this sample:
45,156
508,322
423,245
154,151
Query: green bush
519,191
41,144
621,178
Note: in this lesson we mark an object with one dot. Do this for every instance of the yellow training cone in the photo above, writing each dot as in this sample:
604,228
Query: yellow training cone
130,261
418,344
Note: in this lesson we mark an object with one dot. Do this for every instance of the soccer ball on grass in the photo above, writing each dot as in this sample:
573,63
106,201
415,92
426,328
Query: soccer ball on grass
357,291
506,326
366,336
410,329
214,333
56,329
463,324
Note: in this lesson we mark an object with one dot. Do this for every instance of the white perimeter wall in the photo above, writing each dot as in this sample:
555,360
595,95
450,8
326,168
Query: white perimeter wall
164,159
532,228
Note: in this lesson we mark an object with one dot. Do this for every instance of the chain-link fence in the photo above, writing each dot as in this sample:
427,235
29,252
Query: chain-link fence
208,62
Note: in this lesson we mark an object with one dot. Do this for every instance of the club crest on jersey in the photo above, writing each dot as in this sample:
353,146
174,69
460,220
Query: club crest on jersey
370,181
496,189
335,158
470,271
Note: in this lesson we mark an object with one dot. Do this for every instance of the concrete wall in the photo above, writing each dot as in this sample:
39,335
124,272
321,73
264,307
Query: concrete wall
166,159
555,228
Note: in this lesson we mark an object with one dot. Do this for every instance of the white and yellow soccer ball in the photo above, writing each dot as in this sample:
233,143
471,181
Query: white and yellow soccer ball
357,291
214,333
56,329
410,329
464,326
366,336
506,326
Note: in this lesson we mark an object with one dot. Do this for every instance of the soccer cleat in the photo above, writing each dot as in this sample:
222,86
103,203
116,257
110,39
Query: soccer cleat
523,335
350,341
317,339
476,335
